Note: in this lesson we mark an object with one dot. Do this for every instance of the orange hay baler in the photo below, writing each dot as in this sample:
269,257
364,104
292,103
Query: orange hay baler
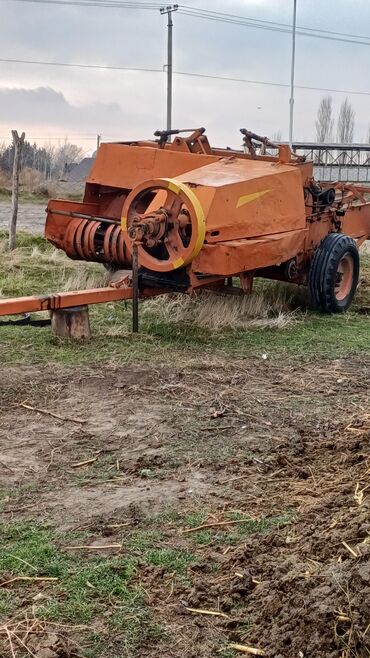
182,215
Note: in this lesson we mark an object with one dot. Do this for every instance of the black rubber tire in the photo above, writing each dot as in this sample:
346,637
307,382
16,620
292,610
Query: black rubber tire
323,273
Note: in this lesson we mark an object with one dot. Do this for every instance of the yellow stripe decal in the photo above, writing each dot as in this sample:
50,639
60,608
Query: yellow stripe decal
177,186
173,187
178,263
124,223
201,221
247,198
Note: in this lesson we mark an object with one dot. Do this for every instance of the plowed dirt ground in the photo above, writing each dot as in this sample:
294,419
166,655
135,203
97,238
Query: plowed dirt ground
223,501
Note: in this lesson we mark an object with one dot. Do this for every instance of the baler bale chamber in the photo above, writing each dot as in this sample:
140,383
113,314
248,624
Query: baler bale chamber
199,216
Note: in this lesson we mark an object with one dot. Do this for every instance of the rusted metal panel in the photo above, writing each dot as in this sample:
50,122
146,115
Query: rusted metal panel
227,258
123,166
249,198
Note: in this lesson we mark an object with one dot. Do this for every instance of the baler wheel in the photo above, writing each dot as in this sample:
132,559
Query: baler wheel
334,273
182,234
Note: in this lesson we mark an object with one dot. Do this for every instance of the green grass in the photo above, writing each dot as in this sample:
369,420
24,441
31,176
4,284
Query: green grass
234,534
88,586
28,272
173,560
194,519
141,540
228,534
27,197
36,197
108,588
146,543
16,492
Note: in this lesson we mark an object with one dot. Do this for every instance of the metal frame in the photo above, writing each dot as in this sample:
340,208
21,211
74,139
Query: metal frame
55,301
332,161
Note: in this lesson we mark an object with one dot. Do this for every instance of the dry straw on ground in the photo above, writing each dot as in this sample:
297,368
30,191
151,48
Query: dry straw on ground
272,307
29,636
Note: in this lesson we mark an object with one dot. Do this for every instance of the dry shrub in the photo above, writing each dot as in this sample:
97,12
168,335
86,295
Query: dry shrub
84,277
5,179
48,189
30,179
271,307
55,189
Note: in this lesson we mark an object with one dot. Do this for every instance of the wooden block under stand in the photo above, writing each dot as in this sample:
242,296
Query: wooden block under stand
71,322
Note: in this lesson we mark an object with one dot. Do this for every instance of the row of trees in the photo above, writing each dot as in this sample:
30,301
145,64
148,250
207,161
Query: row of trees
50,161
345,124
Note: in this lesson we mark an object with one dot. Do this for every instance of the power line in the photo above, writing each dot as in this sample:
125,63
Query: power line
222,17
265,22
82,66
272,84
273,28
183,73
119,4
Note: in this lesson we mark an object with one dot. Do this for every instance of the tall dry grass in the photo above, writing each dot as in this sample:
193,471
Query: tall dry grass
41,267
273,306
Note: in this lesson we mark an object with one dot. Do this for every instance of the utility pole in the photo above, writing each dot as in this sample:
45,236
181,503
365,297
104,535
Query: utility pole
169,9
291,100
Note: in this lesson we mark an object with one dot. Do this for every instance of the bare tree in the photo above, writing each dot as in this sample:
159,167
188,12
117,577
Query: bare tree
325,121
346,123
277,136
64,155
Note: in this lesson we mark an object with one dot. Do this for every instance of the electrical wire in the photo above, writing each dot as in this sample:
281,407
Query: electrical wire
217,16
272,28
265,22
272,84
102,67
120,4
183,73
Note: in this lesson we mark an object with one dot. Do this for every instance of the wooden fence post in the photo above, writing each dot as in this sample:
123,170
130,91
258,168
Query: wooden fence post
18,144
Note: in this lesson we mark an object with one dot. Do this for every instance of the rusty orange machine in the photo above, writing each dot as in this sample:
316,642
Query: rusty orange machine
182,215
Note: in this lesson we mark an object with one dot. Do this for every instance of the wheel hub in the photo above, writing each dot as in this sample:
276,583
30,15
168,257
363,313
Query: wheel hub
344,277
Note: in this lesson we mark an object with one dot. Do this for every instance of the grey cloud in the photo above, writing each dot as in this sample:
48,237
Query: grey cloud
49,107
134,104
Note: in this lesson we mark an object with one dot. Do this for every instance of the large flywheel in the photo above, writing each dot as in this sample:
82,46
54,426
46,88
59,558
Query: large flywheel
164,220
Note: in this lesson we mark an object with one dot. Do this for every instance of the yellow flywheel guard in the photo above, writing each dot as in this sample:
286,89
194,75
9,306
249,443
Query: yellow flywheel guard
197,218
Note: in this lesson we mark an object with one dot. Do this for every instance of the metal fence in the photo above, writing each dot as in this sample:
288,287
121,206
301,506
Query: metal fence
337,162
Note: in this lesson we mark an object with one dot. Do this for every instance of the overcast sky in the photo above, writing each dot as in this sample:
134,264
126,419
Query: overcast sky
54,102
